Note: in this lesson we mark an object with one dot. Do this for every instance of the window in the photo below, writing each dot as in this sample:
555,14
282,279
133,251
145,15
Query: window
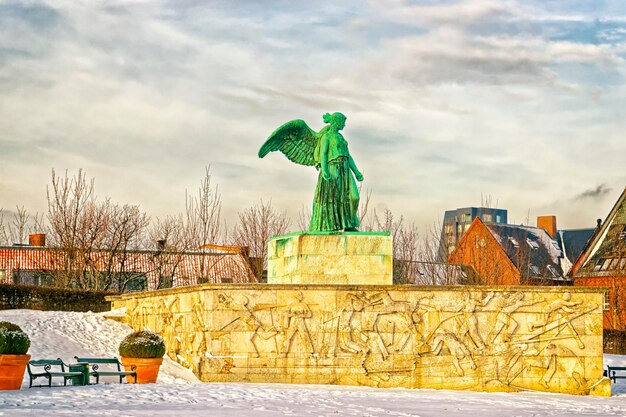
607,301
553,271
449,228
467,217
33,277
532,243
622,264
534,270
488,218
3,274
622,234
467,227
481,242
513,242
451,249
138,283
605,265
498,218
598,264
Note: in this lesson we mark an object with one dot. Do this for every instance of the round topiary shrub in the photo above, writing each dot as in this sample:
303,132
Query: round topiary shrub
142,344
13,340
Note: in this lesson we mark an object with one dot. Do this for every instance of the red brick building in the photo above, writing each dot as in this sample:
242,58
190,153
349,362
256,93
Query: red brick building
603,263
124,271
504,254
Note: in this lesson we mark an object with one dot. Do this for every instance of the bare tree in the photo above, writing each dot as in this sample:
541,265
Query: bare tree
126,227
254,228
203,214
304,218
20,226
169,236
93,236
405,242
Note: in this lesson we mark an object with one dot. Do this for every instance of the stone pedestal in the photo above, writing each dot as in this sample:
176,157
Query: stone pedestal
351,258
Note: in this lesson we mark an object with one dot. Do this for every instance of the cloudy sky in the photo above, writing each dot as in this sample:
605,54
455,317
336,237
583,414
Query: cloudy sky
449,103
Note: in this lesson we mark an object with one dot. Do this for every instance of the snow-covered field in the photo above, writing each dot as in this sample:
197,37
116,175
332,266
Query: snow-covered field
60,334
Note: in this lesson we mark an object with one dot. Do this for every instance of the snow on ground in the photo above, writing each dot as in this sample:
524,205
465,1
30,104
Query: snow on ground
62,334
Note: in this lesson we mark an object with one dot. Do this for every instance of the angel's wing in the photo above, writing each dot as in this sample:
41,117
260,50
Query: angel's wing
296,140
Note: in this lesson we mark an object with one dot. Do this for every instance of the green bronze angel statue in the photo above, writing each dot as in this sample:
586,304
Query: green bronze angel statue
336,199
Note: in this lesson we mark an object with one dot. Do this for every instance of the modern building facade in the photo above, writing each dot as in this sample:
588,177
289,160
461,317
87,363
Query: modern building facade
457,222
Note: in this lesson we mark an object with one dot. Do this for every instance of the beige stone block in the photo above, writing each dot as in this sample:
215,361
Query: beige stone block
602,389
275,268
271,249
290,265
333,244
368,245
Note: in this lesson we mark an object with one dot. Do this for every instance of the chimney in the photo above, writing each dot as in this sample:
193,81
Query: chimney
37,239
548,223
161,244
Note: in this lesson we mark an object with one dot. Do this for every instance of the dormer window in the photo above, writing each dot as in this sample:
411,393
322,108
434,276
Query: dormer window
598,264
513,242
534,269
553,271
532,243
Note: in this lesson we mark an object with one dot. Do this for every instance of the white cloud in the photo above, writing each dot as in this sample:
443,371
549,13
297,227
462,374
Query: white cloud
444,102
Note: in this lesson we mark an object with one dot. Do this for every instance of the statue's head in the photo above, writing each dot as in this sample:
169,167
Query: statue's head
336,119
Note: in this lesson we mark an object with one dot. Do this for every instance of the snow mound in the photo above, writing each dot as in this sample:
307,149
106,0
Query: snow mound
62,334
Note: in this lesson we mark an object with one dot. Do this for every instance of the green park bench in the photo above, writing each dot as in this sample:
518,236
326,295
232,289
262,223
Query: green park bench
114,368
613,372
52,368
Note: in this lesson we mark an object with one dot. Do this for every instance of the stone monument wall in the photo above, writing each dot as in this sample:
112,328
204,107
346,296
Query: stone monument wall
470,338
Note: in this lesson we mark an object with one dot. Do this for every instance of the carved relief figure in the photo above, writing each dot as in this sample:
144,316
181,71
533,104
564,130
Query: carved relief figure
165,321
394,318
296,314
469,326
254,324
198,337
180,347
563,308
457,349
551,363
506,305
352,338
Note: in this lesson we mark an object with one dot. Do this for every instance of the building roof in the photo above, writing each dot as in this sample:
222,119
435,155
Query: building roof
185,268
532,250
605,254
572,242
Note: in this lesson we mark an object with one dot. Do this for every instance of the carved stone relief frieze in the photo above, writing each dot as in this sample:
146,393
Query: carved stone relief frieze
496,339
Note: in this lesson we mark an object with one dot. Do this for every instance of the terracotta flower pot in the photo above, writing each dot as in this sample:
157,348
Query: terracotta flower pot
12,368
147,369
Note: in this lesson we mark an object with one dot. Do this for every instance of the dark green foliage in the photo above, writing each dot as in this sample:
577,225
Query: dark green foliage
13,341
142,344
52,299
